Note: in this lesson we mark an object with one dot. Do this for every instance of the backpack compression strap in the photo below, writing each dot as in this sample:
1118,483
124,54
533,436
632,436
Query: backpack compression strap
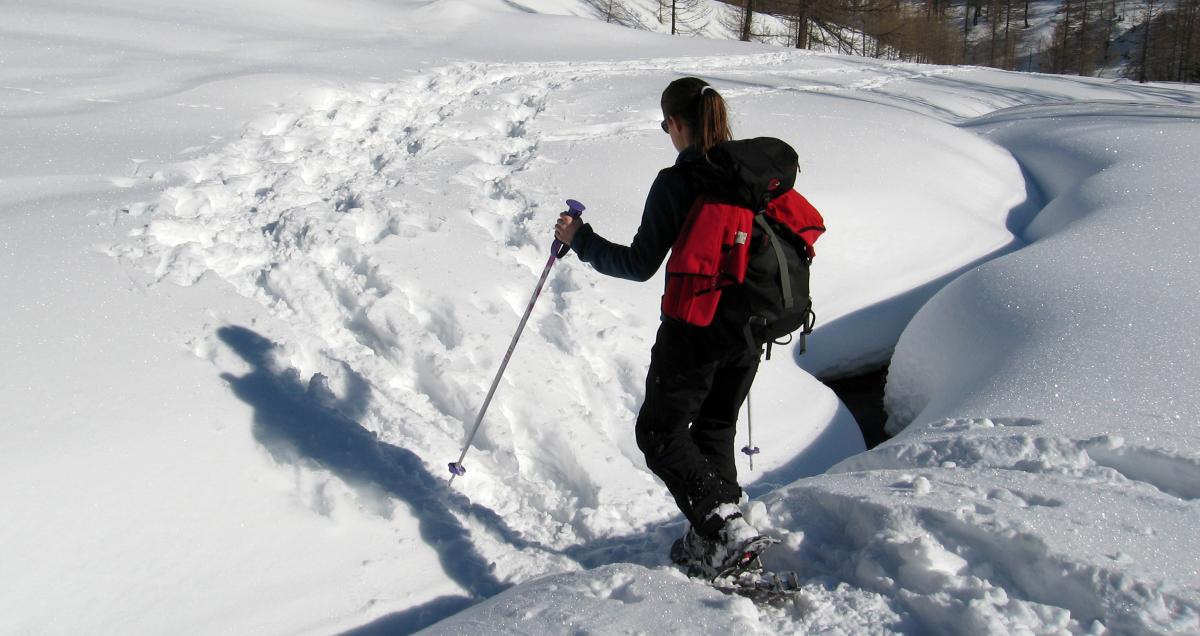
784,277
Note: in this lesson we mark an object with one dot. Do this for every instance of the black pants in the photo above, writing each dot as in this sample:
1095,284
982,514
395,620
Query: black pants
687,423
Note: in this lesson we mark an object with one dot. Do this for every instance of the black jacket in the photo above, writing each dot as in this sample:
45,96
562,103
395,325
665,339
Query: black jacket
667,205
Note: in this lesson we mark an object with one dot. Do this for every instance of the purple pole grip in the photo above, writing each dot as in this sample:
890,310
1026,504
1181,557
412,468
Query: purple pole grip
558,248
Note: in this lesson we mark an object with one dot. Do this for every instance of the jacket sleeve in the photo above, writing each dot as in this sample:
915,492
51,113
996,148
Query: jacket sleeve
666,208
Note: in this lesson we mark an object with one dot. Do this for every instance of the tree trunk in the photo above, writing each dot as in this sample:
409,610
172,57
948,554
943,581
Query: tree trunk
1146,40
1008,47
801,26
1064,46
747,20
1190,60
1178,49
1083,40
994,25
966,32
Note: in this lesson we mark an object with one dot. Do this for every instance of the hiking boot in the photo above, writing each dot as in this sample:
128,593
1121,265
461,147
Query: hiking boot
734,548
692,553
737,543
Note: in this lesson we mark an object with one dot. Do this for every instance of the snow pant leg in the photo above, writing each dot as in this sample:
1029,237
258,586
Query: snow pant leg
677,387
714,430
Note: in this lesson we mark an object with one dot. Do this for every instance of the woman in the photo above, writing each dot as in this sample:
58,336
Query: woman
698,376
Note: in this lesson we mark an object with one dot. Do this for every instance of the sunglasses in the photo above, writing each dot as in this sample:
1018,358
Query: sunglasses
664,126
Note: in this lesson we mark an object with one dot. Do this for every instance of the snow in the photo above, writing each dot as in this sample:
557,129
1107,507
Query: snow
262,260
622,598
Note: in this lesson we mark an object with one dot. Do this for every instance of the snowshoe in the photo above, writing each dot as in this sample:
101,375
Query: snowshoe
762,587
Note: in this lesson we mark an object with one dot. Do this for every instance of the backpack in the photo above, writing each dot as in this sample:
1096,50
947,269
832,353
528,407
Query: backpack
745,248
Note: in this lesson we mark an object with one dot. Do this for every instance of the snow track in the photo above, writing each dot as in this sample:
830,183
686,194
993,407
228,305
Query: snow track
339,218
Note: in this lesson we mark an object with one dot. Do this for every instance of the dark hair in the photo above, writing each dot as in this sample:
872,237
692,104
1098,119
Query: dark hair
702,110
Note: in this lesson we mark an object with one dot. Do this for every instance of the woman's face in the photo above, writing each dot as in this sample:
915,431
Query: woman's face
680,133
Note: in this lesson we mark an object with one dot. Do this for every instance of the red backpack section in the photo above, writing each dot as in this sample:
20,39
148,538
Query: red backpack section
793,211
713,247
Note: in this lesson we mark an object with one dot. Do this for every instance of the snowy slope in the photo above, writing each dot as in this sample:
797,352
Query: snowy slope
263,264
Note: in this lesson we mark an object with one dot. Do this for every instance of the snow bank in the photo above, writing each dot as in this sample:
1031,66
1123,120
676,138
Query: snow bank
1078,351
1090,325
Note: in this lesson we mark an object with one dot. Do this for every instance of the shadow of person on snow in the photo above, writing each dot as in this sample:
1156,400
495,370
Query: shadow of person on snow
304,423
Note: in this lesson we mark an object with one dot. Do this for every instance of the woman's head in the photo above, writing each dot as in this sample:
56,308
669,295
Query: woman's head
697,114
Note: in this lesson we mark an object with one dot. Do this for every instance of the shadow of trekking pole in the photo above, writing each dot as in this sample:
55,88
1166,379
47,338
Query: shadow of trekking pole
304,423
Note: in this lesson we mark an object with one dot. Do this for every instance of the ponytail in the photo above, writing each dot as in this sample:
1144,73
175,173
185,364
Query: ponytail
702,108
713,120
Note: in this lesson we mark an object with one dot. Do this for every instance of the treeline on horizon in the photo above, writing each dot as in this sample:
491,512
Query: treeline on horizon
1145,40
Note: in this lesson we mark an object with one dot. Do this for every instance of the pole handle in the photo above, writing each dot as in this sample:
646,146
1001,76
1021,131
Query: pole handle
558,248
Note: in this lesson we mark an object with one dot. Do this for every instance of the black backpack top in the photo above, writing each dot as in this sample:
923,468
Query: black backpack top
747,172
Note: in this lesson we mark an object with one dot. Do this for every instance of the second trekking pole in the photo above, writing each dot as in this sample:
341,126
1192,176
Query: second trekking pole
558,249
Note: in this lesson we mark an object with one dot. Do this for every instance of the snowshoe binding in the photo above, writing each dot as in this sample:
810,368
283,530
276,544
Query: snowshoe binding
732,549
730,561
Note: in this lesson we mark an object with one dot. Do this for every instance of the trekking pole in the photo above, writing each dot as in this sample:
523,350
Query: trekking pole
750,449
558,249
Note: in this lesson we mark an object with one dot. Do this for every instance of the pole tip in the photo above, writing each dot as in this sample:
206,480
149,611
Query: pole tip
457,469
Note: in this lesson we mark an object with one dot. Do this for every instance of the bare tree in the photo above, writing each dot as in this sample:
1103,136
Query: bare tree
1170,44
799,20
686,17
616,12
739,19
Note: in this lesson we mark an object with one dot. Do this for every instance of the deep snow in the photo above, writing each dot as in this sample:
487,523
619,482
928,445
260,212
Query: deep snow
262,266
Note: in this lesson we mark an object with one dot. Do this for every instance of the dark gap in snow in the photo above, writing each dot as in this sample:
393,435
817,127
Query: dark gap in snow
863,395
